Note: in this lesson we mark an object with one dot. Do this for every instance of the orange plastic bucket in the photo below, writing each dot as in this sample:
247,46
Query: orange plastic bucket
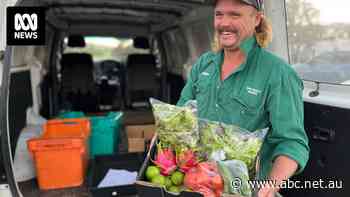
60,163
72,127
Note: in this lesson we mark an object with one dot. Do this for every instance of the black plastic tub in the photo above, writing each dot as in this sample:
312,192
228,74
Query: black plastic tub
100,166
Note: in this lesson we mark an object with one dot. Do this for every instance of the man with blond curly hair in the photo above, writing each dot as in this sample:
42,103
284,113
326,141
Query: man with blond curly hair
241,83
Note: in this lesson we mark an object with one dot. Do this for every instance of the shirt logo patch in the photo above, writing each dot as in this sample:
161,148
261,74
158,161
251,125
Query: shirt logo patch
253,91
205,73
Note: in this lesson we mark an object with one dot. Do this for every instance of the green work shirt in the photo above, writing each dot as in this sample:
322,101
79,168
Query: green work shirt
264,91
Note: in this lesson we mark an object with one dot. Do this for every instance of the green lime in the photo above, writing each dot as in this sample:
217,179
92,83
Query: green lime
174,189
177,178
158,180
151,172
168,182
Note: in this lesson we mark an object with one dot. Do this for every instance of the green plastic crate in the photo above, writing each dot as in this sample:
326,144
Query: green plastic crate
104,133
71,114
104,137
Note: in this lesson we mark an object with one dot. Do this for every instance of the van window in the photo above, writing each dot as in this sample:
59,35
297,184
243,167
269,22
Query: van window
103,48
177,50
319,39
201,38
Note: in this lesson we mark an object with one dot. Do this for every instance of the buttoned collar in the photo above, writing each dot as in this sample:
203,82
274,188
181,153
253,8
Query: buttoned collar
246,46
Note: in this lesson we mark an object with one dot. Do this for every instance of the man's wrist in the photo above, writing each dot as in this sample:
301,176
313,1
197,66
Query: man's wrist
283,168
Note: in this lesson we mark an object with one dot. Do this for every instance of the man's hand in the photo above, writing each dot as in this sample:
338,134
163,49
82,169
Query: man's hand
283,168
267,191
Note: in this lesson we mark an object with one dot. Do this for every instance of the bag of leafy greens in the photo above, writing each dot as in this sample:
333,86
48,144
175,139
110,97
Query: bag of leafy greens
229,142
176,126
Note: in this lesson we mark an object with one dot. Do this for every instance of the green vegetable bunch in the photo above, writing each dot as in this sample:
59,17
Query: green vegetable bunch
177,127
237,143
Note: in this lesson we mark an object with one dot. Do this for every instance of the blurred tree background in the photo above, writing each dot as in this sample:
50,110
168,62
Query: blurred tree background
302,24
305,32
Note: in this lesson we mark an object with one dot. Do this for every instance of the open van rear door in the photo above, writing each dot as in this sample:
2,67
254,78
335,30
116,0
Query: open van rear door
5,158
322,60
4,145
327,119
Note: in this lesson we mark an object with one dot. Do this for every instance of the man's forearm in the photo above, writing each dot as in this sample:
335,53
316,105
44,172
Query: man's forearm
283,168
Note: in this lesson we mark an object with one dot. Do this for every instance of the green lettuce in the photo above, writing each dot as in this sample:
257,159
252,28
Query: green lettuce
176,126
237,143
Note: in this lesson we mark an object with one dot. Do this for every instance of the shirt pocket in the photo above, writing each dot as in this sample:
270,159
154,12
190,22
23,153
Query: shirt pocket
245,108
242,112
202,93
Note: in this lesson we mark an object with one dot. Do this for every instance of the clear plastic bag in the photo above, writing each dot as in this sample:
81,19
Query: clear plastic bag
176,126
235,176
229,142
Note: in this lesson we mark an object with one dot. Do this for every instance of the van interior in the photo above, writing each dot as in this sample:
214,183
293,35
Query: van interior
103,56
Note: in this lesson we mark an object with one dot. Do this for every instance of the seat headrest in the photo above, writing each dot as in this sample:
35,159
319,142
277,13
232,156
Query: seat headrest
141,43
76,41
76,58
141,59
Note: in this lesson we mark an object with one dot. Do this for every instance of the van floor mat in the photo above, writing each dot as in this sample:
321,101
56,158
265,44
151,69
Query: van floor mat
31,189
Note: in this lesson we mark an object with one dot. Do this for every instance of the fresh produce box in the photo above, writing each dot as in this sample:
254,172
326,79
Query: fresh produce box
156,188
195,157
172,185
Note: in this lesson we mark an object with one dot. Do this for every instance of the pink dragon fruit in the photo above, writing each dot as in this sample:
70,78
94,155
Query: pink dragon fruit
186,160
165,160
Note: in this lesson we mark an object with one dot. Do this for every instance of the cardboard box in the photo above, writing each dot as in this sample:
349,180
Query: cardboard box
136,145
138,136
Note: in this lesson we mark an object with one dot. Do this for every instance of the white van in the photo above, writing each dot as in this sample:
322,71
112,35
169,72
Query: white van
112,37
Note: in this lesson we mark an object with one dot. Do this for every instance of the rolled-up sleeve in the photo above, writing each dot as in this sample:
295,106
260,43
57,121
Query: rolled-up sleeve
286,113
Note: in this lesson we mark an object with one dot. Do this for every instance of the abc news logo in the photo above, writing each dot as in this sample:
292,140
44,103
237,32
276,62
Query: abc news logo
25,26
22,28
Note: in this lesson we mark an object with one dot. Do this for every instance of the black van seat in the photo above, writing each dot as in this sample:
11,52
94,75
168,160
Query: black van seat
77,81
141,81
